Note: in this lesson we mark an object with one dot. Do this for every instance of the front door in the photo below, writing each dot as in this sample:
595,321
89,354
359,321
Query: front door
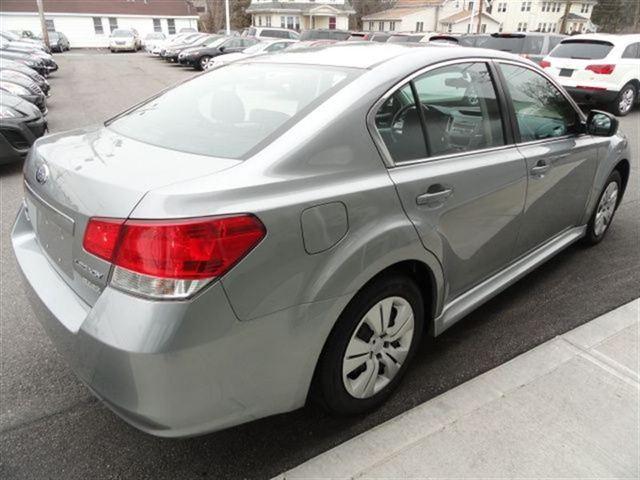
461,184
561,160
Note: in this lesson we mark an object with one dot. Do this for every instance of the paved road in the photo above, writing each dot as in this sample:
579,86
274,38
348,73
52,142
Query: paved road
51,427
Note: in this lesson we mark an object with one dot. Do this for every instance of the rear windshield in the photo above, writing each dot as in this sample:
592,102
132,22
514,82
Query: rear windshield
404,39
230,111
531,44
122,33
324,35
582,49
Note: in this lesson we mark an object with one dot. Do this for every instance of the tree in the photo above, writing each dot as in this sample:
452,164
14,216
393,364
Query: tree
616,16
367,7
214,20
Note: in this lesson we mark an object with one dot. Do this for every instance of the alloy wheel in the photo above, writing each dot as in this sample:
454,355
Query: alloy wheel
626,100
606,208
378,347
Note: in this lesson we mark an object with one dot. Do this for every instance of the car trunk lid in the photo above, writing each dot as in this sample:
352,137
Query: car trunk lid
96,172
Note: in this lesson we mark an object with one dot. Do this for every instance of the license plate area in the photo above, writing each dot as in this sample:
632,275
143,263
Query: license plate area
54,231
566,72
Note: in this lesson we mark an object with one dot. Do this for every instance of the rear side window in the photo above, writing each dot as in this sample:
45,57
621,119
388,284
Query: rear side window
542,112
582,49
459,108
232,110
632,51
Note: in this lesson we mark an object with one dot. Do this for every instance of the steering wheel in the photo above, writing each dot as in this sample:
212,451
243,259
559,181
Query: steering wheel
400,114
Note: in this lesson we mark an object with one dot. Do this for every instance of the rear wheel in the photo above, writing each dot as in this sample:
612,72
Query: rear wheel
202,64
605,210
371,345
625,100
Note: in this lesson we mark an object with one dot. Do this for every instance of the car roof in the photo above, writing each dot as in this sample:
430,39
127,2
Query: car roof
609,37
367,55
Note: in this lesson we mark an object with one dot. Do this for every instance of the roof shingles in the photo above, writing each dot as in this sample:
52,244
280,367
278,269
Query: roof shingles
106,7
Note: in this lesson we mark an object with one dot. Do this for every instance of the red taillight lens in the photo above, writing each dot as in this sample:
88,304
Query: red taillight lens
101,237
188,249
545,63
601,69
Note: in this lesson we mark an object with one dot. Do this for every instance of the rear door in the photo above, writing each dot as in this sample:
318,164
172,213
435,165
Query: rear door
461,182
561,159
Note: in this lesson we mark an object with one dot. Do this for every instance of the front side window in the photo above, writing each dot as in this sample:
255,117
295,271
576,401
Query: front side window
542,112
459,108
231,111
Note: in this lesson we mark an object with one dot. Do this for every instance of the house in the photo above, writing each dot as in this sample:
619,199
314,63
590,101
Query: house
543,16
301,14
89,23
459,16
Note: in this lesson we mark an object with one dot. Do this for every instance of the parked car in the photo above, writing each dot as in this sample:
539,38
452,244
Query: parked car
26,34
406,38
532,45
59,42
270,32
152,39
441,37
187,30
21,123
266,46
306,218
26,92
599,68
380,37
232,33
7,48
17,41
124,39
36,64
172,52
473,39
198,57
14,66
324,34
178,39
22,80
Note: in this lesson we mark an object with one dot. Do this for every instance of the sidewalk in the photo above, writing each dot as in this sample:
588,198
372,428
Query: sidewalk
569,408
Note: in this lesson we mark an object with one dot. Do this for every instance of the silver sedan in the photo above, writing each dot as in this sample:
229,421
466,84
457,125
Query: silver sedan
296,223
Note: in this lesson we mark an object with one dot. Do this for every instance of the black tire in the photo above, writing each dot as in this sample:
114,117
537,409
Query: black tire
619,107
593,237
330,388
202,61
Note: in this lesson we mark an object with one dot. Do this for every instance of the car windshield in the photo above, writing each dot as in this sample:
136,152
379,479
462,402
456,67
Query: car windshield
214,42
230,111
122,33
53,36
257,48
531,44
324,35
582,49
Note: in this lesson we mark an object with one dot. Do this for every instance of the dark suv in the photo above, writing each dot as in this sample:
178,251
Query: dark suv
532,45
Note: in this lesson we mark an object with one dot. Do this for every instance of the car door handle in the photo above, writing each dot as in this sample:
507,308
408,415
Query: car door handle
541,168
436,194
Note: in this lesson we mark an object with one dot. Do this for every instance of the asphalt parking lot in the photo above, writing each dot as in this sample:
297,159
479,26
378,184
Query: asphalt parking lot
52,427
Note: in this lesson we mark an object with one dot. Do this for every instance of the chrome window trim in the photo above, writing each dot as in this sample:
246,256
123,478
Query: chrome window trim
582,117
377,138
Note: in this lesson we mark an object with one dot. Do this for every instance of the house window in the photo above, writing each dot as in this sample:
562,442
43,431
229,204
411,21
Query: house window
449,27
97,26
544,7
392,26
584,8
470,6
157,27
113,24
290,23
297,23
502,7
501,27
525,7
283,22
332,23
259,21
50,26
381,26
268,21
483,28
522,26
171,26
419,26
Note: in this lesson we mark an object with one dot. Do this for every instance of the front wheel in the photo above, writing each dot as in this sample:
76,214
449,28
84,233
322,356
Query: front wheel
202,63
371,345
605,210
625,100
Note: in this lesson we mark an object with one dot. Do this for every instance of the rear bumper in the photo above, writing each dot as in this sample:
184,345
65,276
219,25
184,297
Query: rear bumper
591,96
176,369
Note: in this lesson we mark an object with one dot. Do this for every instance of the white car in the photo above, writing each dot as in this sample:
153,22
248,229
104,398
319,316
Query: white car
153,39
269,46
271,32
124,39
598,68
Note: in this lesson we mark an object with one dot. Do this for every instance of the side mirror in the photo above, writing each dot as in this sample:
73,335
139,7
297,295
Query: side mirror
601,124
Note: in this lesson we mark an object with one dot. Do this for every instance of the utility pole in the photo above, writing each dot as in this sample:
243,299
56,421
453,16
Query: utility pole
43,24
480,16
565,17
226,14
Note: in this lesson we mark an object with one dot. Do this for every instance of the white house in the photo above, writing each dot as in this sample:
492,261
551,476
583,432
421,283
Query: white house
301,14
461,16
89,23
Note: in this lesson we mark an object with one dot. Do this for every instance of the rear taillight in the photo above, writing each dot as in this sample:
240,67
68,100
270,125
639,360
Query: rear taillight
545,63
172,258
601,69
